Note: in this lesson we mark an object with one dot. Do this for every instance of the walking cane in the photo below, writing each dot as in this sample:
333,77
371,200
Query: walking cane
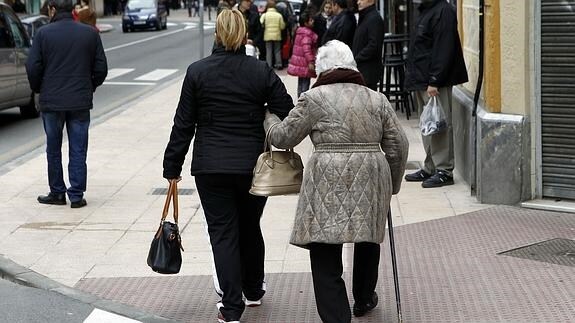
394,266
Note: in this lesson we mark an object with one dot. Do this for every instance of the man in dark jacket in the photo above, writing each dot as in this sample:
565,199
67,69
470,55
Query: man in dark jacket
342,26
255,30
368,42
434,64
65,65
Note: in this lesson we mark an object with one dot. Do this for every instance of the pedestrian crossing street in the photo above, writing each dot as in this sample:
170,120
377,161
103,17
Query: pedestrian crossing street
129,76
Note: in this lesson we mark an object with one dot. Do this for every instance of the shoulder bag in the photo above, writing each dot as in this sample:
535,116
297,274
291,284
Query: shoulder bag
165,255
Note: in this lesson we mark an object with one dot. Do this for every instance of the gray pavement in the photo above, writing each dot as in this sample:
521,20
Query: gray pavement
102,248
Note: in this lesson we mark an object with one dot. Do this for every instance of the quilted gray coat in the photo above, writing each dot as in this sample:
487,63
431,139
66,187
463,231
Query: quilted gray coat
348,180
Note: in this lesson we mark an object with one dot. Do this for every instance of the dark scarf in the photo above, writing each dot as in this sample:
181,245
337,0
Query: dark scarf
339,75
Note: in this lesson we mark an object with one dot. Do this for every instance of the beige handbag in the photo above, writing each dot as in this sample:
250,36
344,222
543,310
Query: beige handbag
277,172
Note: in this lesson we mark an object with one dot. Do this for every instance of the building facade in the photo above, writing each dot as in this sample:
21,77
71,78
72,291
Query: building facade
520,145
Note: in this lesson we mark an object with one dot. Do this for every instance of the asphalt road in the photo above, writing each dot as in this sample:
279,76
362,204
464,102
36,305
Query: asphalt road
138,63
24,304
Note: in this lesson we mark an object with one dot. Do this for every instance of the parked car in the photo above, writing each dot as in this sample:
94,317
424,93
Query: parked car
33,23
14,48
144,14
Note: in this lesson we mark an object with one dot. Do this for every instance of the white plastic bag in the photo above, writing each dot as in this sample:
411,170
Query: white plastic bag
252,50
432,119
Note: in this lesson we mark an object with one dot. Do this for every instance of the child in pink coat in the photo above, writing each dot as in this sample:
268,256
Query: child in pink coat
302,61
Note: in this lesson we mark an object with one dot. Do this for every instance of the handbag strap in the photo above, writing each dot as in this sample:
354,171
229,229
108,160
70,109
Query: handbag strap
268,144
172,196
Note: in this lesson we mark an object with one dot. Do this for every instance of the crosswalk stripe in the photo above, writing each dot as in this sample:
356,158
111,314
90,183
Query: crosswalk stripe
117,72
156,75
99,316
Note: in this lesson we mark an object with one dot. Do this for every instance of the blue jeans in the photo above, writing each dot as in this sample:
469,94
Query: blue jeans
77,124
302,85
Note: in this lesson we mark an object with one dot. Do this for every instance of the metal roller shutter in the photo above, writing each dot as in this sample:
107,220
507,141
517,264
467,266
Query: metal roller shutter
558,97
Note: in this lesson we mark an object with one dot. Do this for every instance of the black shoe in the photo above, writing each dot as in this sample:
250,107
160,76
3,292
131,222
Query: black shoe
418,176
439,179
53,199
78,204
362,309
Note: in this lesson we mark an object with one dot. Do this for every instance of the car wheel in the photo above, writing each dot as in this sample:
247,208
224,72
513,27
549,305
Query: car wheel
125,29
158,25
30,110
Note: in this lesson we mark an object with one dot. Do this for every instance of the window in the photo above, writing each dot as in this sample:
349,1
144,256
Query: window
5,38
19,35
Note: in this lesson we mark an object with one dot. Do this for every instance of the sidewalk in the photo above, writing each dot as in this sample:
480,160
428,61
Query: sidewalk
102,248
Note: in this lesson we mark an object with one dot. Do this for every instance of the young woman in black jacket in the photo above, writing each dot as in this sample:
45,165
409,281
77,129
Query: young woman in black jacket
222,104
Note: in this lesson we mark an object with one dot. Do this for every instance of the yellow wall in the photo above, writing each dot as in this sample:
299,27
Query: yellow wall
492,62
507,71
515,56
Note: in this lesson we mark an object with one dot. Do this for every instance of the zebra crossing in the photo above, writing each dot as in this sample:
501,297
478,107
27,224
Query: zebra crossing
130,76
186,25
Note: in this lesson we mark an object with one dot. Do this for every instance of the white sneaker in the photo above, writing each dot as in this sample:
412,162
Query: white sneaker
252,303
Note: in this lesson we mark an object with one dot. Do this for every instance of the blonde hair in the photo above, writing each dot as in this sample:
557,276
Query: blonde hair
231,29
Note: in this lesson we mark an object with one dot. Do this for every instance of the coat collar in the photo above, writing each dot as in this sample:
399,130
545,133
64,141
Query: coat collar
220,50
365,11
428,5
62,16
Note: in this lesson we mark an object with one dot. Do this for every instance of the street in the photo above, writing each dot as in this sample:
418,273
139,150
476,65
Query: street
138,63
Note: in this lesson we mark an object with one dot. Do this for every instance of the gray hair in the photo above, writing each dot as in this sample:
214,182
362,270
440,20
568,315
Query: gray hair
334,54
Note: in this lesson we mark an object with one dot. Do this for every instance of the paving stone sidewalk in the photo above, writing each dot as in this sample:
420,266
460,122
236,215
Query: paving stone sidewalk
108,240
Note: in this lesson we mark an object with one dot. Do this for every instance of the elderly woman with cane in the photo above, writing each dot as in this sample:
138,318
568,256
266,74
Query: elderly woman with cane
359,159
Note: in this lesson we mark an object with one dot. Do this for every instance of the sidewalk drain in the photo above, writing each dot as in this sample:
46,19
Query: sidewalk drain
181,191
555,251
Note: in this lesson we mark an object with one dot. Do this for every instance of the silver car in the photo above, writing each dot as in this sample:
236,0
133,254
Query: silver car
14,47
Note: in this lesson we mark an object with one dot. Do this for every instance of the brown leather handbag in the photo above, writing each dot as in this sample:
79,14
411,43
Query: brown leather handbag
277,172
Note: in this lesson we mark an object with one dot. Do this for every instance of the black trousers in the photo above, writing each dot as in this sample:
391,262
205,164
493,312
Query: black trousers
233,218
329,287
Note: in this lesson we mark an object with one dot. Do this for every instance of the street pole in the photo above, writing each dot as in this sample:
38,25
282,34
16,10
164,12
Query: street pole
201,28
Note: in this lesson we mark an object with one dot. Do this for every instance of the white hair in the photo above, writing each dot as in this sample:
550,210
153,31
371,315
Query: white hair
334,54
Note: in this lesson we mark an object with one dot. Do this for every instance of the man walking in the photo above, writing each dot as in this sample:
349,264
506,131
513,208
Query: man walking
368,43
343,24
434,64
66,64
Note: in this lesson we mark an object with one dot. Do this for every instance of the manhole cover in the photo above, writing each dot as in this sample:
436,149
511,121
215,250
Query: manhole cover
181,191
554,251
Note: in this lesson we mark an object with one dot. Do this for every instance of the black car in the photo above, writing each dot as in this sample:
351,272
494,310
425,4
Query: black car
144,14
33,23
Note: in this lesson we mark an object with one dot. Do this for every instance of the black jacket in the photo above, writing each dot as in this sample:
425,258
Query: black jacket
223,103
368,45
435,57
66,64
342,28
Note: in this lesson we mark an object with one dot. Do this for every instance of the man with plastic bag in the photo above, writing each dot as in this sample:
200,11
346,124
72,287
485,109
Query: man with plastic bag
434,64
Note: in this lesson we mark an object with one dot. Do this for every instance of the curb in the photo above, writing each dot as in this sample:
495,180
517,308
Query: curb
11,271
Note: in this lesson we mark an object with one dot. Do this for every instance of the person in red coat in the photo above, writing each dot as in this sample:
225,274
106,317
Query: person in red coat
302,61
